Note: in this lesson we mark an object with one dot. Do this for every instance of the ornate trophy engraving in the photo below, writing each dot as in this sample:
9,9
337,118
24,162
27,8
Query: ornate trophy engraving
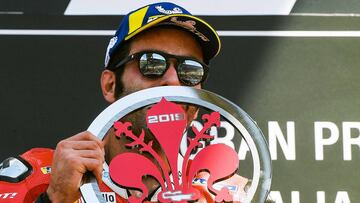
188,158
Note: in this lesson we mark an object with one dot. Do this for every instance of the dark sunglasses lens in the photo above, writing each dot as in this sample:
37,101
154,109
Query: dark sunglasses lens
152,65
191,72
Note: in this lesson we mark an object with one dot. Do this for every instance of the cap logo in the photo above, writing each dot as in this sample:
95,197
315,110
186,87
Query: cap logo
152,18
175,10
111,45
190,25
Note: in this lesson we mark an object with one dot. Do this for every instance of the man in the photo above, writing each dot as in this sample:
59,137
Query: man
157,45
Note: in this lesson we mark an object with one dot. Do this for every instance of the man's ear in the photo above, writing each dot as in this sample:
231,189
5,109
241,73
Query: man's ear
108,84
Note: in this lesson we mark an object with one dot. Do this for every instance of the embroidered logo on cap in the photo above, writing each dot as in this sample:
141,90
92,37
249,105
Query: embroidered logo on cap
189,25
175,10
111,45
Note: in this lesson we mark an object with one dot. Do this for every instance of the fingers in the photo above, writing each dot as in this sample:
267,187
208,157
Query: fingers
94,166
83,144
87,146
83,151
86,135
73,158
91,154
93,161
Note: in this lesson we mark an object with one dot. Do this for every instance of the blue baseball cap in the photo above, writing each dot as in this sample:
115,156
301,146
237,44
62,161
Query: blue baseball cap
164,13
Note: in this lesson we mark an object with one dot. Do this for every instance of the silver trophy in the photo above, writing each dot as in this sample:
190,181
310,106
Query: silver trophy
243,140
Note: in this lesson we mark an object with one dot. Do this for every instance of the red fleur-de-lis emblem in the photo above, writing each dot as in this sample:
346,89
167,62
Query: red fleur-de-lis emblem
167,121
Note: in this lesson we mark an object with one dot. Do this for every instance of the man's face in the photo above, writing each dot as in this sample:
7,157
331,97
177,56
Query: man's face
167,40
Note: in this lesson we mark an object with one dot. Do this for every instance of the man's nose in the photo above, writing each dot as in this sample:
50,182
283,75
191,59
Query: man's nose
170,77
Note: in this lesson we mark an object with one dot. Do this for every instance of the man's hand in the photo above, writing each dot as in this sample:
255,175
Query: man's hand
72,159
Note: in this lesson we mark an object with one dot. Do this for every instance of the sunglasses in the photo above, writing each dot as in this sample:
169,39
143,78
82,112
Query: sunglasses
154,64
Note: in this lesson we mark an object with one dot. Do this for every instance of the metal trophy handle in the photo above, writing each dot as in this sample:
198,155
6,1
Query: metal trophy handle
250,132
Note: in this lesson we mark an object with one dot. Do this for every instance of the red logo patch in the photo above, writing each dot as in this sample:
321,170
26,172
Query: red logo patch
167,121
